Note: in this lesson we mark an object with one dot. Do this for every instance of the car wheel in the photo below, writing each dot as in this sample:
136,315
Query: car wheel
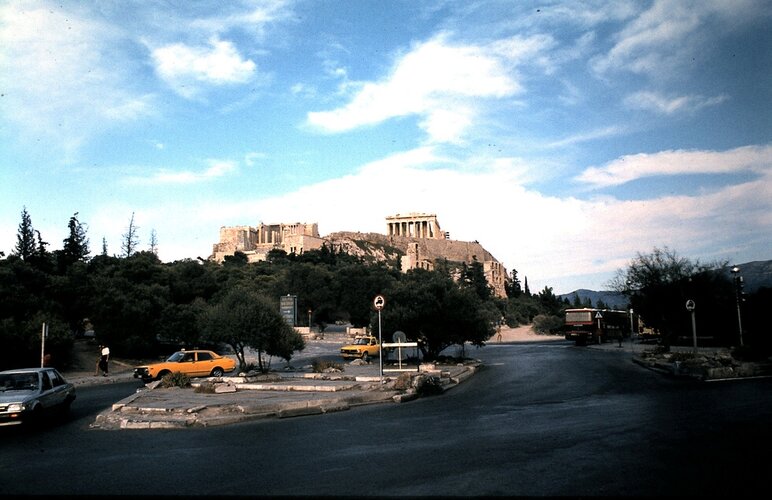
35,418
217,372
366,357
163,374
66,406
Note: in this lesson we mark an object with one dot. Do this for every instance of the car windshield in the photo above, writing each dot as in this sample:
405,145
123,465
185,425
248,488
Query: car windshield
361,341
18,381
177,356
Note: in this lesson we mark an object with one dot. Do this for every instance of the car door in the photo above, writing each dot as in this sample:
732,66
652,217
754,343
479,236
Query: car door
48,397
204,363
189,365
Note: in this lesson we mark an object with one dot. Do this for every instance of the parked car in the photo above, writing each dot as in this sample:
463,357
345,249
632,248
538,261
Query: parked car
194,363
363,347
33,395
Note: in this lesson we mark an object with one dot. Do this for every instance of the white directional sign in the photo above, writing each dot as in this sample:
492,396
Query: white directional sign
598,315
690,305
379,302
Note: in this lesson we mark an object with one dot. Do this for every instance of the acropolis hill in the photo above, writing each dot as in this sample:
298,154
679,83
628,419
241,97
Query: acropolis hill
411,241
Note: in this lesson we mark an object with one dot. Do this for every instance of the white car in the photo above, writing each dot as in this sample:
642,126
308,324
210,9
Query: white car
33,394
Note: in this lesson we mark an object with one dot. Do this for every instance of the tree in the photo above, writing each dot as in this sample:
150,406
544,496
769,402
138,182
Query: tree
473,276
130,238
25,237
437,312
512,285
75,245
550,303
104,247
526,290
243,318
658,285
153,242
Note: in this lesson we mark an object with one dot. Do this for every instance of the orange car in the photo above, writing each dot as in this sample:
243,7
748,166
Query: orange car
195,363
362,347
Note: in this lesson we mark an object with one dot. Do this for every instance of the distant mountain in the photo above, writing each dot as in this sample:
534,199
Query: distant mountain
756,274
613,300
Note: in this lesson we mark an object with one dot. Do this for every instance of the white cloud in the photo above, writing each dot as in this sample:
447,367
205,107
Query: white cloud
59,76
436,80
588,136
550,240
653,101
216,169
662,38
632,167
186,68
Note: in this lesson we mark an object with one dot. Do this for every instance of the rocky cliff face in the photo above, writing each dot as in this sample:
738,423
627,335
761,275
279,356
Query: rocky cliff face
374,247
371,247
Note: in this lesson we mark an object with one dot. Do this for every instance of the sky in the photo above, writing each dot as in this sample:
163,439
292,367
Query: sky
565,137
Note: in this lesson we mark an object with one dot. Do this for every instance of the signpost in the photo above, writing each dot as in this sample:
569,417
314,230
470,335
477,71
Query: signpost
288,305
379,302
43,335
599,317
690,305
400,341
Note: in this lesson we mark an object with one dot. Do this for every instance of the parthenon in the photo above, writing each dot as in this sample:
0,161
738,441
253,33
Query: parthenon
414,225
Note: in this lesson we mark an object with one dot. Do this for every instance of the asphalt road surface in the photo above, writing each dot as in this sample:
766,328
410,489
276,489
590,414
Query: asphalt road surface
540,419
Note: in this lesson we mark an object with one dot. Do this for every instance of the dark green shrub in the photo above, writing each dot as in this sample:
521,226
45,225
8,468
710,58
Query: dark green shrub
681,356
749,353
175,379
427,385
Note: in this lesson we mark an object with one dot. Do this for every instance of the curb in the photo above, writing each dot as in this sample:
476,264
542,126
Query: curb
331,396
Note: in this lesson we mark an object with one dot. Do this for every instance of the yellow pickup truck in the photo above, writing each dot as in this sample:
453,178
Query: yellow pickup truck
363,347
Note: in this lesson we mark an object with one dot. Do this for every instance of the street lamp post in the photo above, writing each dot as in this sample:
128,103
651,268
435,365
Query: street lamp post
738,281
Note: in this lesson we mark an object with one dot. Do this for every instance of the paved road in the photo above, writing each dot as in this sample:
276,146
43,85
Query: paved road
539,419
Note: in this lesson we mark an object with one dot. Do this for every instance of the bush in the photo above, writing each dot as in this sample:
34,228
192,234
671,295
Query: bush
681,356
749,353
205,388
403,382
175,379
545,324
321,365
427,385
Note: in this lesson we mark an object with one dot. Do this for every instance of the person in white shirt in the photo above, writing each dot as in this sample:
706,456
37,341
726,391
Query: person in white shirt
104,357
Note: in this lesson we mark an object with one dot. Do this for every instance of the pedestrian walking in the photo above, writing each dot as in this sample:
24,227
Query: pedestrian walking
104,358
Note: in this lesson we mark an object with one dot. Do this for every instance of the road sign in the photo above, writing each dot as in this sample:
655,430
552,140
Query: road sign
379,302
399,337
690,305
598,315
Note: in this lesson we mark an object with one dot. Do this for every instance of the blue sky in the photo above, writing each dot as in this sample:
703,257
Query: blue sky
565,137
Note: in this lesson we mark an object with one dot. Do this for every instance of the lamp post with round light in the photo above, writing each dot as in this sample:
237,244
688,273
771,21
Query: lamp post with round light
738,284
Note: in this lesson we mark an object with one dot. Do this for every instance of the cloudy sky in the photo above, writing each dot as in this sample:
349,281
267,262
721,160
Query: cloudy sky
565,137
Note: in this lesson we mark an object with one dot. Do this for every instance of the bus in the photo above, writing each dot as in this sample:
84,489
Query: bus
597,325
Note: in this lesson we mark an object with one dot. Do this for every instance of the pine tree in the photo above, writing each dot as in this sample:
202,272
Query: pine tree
130,238
153,242
75,246
25,237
